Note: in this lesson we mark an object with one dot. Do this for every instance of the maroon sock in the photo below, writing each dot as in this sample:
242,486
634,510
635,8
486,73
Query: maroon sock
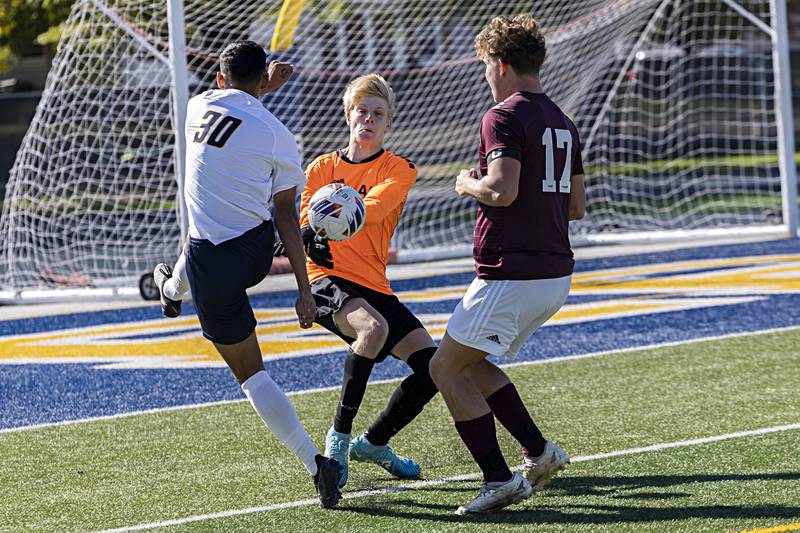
507,406
480,436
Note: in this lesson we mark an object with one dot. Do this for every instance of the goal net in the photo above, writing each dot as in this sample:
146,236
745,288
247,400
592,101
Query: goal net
674,101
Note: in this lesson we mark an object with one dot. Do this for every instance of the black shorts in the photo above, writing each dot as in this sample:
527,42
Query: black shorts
330,294
219,276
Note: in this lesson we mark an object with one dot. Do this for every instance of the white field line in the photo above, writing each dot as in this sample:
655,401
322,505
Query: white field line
465,477
376,382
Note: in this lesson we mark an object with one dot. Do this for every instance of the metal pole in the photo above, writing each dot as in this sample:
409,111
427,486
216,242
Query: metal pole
180,98
783,114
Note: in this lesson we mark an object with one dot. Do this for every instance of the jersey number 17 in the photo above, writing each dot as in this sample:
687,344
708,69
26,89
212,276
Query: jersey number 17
563,140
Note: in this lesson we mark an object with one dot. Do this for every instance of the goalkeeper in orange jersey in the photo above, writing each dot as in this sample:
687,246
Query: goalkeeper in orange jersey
348,281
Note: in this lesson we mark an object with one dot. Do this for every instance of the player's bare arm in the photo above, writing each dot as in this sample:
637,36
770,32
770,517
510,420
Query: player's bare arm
288,226
498,188
577,198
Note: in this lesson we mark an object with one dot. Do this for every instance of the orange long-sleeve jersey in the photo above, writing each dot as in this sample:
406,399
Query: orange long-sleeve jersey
383,180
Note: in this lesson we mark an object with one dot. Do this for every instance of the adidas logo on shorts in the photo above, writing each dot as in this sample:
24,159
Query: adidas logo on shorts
493,338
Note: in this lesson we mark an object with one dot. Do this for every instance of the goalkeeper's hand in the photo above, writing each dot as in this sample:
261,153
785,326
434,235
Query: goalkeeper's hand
317,248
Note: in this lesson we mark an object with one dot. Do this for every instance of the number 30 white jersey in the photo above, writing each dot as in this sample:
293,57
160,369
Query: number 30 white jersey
237,156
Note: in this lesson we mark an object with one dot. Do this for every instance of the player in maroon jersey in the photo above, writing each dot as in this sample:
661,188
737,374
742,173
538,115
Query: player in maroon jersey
529,187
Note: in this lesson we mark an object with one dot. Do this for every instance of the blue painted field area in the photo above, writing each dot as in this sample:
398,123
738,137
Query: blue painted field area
84,365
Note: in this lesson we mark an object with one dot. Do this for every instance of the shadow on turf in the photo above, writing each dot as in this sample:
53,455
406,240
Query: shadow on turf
612,485
539,510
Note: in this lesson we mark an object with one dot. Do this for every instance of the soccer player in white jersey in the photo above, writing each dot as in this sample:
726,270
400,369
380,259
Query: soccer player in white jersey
239,159
529,187
173,282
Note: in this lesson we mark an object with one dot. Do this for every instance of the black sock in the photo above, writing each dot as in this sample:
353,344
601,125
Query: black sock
408,399
480,436
356,374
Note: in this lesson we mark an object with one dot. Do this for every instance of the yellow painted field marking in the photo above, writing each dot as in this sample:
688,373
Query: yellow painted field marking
775,529
761,275
635,290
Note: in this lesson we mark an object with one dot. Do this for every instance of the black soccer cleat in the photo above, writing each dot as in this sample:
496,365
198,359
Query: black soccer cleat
326,481
170,308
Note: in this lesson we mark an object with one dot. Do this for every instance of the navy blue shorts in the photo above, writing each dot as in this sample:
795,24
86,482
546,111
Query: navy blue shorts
219,276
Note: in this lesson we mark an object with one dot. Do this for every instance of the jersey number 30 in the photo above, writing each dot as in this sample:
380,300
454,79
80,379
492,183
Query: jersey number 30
221,133
563,140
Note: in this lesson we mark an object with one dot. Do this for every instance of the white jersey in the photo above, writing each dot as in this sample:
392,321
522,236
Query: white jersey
238,155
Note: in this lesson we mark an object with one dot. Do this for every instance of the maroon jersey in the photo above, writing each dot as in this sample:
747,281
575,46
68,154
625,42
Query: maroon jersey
529,238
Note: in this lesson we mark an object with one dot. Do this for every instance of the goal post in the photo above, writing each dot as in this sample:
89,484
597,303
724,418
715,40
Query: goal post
683,106
785,122
180,99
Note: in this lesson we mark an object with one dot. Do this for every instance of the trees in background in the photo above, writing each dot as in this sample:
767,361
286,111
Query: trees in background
26,23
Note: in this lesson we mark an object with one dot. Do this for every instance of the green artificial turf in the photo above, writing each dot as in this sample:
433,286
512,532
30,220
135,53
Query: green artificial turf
176,464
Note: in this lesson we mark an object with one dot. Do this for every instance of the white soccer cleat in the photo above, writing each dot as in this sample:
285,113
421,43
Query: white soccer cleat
495,496
540,470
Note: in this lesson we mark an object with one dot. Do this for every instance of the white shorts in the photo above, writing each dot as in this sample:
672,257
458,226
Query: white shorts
498,316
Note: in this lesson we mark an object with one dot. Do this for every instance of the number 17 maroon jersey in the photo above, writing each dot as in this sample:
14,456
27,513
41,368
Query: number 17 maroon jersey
529,239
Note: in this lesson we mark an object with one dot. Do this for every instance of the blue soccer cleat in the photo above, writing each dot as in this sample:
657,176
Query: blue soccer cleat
337,446
363,450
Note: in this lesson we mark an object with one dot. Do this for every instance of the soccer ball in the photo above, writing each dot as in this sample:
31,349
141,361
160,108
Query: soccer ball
336,211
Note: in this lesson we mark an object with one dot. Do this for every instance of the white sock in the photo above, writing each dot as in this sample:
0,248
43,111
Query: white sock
279,415
178,285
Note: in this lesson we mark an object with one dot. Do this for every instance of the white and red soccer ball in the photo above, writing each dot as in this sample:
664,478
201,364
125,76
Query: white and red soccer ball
336,211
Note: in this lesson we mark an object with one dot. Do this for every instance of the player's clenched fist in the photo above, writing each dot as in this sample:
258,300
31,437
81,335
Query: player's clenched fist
463,177
306,309
278,74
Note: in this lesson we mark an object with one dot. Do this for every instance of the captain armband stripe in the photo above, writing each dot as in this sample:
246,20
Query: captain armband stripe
513,153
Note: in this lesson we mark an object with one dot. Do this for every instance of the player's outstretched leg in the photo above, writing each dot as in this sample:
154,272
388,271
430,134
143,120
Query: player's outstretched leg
451,369
408,400
280,417
357,370
161,274
356,320
542,459
500,487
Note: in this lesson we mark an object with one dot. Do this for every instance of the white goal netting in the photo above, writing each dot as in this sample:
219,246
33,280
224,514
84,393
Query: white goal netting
674,100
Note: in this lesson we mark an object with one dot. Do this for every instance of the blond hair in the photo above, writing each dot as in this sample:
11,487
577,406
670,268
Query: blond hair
368,85
517,41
